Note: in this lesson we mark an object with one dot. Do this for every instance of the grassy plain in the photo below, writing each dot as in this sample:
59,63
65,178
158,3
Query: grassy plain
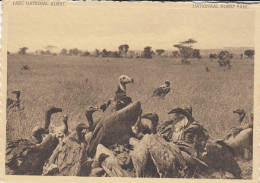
73,83
61,81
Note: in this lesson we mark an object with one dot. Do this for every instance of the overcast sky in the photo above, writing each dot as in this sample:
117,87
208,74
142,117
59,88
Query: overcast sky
90,27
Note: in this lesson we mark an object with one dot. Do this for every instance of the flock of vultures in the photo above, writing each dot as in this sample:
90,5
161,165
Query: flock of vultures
127,142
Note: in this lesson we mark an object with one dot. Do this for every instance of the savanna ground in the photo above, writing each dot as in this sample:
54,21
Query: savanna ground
73,83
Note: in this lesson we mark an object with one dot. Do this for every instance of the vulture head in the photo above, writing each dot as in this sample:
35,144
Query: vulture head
183,112
151,116
17,93
241,113
123,80
91,110
38,132
48,114
81,130
167,83
188,109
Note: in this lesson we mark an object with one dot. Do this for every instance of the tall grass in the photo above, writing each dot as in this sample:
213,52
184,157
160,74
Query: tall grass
61,82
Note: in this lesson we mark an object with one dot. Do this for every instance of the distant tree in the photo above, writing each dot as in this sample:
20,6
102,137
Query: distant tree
85,54
147,52
75,51
64,51
115,54
196,53
22,51
131,54
175,54
50,47
97,52
186,51
224,59
104,53
249,53
160,52
212,55
123,49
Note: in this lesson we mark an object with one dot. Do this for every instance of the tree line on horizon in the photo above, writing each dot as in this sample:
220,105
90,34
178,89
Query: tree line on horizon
185,52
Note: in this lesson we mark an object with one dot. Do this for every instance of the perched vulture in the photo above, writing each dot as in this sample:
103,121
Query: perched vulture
27,156
114,126
14,103
173,129
89,114
220,157
110,163
240,140
68,157
155,157
62,131
146,124
120,98
162,91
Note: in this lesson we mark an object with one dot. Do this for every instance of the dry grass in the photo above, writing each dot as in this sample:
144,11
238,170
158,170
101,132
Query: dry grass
61,81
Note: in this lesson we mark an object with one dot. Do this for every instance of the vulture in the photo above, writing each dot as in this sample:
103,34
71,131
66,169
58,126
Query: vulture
27,156
67,158
114,126
89,114
14,103
241,141
173,129
63,130
244,120
155,157
162,91
120,98
110,163
147,124
220,157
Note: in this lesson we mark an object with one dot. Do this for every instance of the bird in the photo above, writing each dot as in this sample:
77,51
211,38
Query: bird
89,114
68,156
120,97
173,129
147,124
162,91
114,127
63,130
27,156
14,103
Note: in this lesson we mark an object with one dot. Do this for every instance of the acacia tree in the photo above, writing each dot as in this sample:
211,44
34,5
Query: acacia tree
22,51
123,49
148,52
249,53
160,52
64,51
185,49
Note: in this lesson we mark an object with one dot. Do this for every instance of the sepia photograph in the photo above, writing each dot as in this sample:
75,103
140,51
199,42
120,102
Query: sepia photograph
137,90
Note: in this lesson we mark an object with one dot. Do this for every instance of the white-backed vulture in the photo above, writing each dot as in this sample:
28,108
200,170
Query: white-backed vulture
173,129
120,98
14,103
162,91
27,156
69,155
147,124
220,157
89,115
114,126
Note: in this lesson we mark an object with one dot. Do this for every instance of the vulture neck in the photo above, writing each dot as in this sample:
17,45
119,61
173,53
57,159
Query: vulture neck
47,119
122,86
90,119
65,127
241,117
